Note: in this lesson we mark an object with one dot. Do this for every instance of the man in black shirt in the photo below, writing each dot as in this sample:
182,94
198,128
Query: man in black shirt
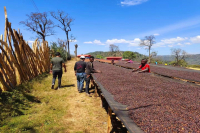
79,69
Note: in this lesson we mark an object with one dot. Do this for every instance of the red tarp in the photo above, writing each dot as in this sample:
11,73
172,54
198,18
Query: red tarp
114,58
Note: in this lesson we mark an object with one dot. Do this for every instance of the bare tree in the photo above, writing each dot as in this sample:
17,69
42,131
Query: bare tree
61,43
65,25
40,24
148,42
153,54
114,50
179,54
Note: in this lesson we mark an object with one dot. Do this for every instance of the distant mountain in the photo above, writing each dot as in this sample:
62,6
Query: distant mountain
191,59
107,54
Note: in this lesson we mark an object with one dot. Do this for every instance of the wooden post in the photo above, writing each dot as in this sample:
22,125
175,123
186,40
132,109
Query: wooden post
76,46
19,31
109,119
95,90
6,22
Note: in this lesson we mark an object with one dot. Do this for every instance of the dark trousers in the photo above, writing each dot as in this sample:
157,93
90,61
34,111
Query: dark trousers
55,74
87,81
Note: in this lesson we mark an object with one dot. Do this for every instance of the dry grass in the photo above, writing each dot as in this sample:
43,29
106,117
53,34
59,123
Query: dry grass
193,68
63,110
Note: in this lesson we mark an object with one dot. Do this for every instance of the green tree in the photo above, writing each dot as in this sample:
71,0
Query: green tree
129,55
55,47
181,63
99,56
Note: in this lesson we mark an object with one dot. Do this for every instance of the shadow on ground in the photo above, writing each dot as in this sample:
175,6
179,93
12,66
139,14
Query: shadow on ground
15,102
63,86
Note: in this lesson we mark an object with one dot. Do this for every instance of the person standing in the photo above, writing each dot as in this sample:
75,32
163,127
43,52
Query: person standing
130,61
89,69
56,68
113,62
79,69
144,67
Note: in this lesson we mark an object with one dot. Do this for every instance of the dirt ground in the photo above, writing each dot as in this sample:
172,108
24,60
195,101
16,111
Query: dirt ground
85,112
44,110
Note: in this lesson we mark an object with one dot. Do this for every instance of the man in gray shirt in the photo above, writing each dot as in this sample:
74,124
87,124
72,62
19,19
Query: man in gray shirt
89,69
56,67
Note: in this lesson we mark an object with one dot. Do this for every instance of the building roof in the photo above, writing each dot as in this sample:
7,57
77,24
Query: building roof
87,55
114,57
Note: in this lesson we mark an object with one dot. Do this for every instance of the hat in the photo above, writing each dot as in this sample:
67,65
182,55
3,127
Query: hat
82,57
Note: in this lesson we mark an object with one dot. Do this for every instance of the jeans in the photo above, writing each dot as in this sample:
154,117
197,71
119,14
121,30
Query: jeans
55,74
80,81
87,80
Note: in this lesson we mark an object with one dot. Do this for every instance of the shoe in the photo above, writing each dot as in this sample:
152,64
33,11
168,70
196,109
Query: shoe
58,88
80,91
52,86
87,94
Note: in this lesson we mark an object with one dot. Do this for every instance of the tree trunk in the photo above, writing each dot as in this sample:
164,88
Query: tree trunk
149,55
68,54
66,49
177,60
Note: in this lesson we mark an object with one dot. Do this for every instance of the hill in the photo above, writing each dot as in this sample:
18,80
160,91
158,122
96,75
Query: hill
108,54
191,59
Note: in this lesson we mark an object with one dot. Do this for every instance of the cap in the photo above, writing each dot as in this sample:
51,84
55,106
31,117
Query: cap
82,57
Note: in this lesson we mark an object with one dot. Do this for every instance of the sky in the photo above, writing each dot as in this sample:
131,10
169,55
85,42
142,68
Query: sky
99,23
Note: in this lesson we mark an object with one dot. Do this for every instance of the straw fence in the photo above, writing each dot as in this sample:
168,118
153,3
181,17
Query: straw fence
18,61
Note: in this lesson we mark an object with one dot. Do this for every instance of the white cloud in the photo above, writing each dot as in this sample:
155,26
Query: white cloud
30,42
88,42
132,2
73,41
188,43
170,46
195,39
174,40
156,34
174,27
98,42
134,42
113,41
171,42
159,44
178,41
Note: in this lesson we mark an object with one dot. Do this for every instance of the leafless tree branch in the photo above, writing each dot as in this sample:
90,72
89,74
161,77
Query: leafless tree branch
148,42
179,54
65,24
40,24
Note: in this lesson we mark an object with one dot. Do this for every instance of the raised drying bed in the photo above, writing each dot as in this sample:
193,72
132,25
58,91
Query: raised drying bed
155,104
167,71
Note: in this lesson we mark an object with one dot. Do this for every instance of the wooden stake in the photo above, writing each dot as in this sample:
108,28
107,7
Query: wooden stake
5,12
109,119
